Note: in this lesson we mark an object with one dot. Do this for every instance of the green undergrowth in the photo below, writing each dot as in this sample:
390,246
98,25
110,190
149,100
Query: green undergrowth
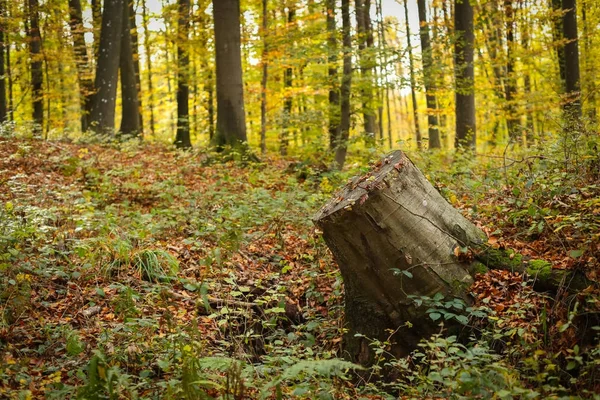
143,272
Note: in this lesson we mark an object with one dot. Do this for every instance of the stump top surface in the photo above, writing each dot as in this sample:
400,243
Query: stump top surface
358,188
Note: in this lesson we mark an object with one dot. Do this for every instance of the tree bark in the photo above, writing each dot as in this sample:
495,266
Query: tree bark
364,33
413,82
287,87
37,74
334,89
231,119
464,75
182,139
429,82
102,117
572,74
84,69
3,100
135,51
148,56
264,78
341,146
130,119
510,85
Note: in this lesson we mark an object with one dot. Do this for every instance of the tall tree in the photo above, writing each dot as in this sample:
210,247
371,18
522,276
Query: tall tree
148,57
428,81
287,84
334,90
37,74
3,100
264,78
413,83
102,117
510,84
464,74
341,147
364,31
182,139
231,119
130,119
84,71
572,74
135,51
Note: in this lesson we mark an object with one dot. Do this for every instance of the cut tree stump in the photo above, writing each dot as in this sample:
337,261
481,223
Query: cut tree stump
394,237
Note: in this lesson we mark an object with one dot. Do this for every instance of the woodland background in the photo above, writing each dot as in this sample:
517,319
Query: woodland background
160,164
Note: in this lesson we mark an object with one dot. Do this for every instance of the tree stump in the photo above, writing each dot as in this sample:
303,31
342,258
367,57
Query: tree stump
394,236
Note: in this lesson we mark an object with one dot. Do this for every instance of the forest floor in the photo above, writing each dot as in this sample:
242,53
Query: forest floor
135,271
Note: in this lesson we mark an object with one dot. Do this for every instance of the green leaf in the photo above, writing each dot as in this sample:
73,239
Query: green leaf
435,316
575,253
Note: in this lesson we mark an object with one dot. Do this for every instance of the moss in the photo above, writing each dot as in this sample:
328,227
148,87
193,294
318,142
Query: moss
540,269
500,259
479,268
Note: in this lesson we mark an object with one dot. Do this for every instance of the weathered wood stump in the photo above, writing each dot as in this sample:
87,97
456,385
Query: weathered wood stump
394,236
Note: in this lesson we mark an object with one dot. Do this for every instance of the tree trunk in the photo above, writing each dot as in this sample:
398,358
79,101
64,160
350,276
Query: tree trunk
429,82
287,88
334,89
264,78
364,32
3,101
9,73
182,139
572,75
231,119
413,83
130,120
102,117
464,75
84,69
589,31
557,34
510,85
135,51
37,74
341,146
97,25
148,56
394,238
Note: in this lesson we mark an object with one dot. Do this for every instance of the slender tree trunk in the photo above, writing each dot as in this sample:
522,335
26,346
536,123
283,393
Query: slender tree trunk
589,64
96,25
265,77
529,114
135,46
413,83
384,74
37,74
130,120
464,75
364,33
510,86
287,87
182,139
572,75
557,33
334,87
84,69
3,101
341,147
231,119
102,117
10,79
148,55
210,89
429,83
